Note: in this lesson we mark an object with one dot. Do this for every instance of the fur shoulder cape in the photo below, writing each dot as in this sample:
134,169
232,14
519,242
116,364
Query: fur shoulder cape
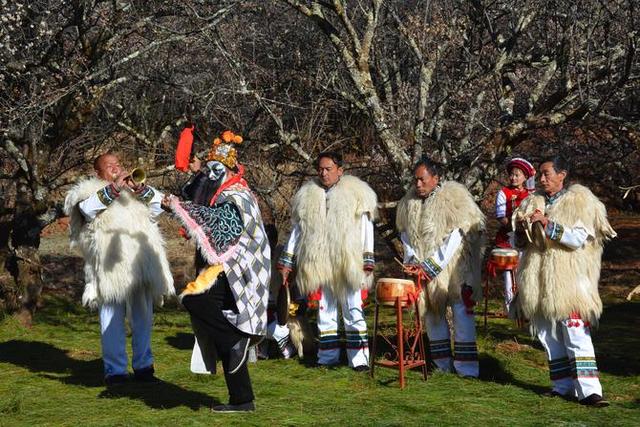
558,281
428,222
330,250
122,247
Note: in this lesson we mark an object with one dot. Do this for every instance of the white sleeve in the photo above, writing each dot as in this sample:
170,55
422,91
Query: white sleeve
287,256
409,252
367,241
91,207
367,233
501,204
433,265
155,204
571,237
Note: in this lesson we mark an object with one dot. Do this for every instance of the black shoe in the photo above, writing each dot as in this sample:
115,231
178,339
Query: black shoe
145,375
361,368
243,407
115,380
594,400
238,355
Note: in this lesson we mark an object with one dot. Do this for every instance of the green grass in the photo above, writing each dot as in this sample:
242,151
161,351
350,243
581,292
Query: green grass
52,375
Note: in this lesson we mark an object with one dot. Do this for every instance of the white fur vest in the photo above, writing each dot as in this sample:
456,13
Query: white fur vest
555,282
428,222
329,249
122,247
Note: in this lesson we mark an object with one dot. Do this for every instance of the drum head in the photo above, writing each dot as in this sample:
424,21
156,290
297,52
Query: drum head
282,305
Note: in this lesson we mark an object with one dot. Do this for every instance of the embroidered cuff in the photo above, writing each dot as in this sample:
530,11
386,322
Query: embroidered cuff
108,194
145,193
554,231
369,261
285,261
431,268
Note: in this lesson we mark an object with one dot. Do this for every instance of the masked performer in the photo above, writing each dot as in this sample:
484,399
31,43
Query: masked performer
331,245
522,182
442,230
228,300
126,268
558,281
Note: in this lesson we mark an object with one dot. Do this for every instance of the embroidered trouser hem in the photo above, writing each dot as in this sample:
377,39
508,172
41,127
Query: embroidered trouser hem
357,341
571,356
465,360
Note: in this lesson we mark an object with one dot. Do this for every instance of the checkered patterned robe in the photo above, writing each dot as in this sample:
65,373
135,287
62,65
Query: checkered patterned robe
246,262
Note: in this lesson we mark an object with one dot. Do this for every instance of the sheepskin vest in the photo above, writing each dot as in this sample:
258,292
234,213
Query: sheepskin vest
122,247
558,281
329,250
428,222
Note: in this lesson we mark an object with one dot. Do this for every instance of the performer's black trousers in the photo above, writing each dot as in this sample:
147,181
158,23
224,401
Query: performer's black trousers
206,312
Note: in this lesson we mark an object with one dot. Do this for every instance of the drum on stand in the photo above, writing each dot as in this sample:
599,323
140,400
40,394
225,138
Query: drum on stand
389,289
407,344
504,258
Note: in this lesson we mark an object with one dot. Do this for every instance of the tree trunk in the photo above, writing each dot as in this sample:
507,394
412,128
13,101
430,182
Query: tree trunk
23,260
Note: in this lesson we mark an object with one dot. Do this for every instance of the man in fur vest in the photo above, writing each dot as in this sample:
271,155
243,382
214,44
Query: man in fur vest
228,300
442,231
558,280
331,245
126,269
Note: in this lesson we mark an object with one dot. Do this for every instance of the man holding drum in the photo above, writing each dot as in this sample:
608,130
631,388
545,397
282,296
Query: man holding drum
331,245
442,230
558,280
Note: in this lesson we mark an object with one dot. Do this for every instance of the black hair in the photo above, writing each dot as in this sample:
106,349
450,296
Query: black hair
336,157
558,161
433,167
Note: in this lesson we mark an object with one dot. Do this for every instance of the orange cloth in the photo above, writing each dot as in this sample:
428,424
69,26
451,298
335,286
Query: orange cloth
204,281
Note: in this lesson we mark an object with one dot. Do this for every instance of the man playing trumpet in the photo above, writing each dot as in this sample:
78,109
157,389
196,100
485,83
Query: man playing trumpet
558,279
126,268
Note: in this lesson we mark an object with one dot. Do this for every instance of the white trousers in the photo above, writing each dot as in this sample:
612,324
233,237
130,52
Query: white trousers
508,291
114,335
572,360
280,334
465,360
355,327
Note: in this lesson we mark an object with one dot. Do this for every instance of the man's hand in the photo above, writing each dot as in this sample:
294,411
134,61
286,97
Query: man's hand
165,203
538,216
284,272
195,164
120,181
412,269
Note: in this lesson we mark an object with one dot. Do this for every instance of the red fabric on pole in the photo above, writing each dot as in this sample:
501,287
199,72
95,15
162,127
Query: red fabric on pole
183,151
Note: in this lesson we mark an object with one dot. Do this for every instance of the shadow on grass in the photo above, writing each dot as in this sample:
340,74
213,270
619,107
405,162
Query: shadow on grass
493,370
617,340
161,395
53,363
181,341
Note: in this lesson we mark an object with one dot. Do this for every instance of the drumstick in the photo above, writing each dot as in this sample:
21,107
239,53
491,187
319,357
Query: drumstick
399,262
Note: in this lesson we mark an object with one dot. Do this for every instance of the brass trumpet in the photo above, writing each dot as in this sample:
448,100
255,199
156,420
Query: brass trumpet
138,176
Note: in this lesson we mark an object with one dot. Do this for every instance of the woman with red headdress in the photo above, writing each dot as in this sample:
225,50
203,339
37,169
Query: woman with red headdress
521,183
